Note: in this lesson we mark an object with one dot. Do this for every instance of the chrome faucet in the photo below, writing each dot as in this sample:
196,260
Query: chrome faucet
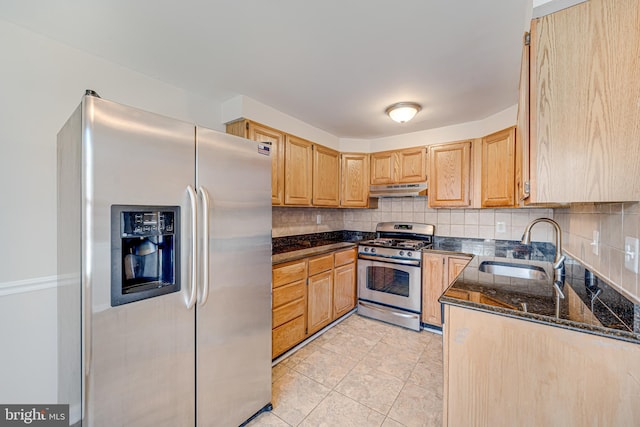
558,261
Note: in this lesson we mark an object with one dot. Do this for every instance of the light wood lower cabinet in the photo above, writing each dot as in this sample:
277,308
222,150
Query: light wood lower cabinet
501,371
289,301
344,283
309,294
438,271
320,293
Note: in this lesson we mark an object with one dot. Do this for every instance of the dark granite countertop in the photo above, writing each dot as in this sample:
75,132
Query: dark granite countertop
292,248
308,252
606,314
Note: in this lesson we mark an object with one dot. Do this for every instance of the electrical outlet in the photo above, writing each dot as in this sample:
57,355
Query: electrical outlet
595,244
631,246
318,219
501,227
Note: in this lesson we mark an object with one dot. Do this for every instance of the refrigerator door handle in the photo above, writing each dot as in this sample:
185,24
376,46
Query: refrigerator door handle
194,246
204,254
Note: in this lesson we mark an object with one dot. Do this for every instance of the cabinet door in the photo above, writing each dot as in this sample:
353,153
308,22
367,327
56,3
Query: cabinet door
275,138
412,167
355,180
344,289
320,304
382,168
449,175
432,283
326,176
298,171
585,113
522,126
498,162
286,336
455,265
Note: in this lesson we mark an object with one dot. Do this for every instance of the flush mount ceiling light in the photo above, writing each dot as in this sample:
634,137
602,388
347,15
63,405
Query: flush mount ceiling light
402,112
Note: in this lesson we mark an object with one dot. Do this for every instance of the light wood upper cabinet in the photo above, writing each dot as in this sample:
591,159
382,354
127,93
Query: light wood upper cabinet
450,175
275,138
522,126
498,163
398,166
326,176
298,171
355,180
584,113
412,165
382,168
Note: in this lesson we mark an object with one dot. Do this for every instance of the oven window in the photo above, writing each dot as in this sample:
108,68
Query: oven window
388,280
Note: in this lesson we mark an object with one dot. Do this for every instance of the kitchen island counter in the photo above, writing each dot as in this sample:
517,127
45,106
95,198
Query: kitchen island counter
584,309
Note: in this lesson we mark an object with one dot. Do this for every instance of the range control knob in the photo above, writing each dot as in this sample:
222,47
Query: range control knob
373,250
366,249
401,253
409,253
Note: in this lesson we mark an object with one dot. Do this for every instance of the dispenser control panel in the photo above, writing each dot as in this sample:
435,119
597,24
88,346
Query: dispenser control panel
147,223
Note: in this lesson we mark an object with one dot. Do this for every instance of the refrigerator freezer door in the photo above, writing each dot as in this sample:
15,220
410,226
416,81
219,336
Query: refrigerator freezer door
233,324
139,357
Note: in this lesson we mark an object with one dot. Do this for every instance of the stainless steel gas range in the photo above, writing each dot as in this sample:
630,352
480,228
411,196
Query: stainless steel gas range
390,273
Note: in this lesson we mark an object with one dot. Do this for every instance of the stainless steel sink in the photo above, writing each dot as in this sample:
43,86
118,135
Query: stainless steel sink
521,271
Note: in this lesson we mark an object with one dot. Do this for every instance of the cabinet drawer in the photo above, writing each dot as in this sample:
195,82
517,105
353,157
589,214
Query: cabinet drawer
345,257
290,272
287,335
287,312
320,264
287,293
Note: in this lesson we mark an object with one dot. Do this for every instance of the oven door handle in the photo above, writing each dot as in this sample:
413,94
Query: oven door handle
411,262
395,313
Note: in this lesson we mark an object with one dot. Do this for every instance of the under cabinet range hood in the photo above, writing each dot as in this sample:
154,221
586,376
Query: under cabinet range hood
399,190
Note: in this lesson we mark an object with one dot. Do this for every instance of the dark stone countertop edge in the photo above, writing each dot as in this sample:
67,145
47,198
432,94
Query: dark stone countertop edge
545,320
448,253
309,252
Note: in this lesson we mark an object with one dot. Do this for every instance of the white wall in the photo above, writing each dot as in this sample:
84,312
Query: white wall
41,83
477,129
242,106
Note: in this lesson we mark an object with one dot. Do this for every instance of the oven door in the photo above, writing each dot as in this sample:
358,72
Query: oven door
390,283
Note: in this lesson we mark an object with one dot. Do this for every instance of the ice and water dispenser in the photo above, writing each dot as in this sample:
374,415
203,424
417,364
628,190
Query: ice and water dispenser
145,255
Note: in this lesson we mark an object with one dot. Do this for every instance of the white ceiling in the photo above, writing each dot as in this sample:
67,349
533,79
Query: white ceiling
334,64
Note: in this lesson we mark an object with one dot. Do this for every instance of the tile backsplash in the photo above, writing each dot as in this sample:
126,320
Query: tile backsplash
613,221
502,224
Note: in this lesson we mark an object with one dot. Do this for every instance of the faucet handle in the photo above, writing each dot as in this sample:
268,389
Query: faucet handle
559,263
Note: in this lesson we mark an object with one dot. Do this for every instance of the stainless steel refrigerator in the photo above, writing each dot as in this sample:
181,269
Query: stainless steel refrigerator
164,260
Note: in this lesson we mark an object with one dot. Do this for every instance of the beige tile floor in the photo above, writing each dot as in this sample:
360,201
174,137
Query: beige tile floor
360,373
